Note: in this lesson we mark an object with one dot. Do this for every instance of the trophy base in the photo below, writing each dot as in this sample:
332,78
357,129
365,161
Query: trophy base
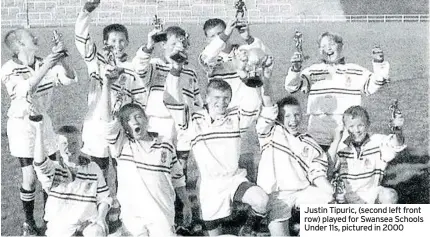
179,57
35,118
253,82
159,37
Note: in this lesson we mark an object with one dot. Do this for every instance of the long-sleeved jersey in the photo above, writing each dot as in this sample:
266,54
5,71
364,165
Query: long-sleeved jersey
220,65
363,169
288,162
126,89
73,197
148,172
15,77
333,88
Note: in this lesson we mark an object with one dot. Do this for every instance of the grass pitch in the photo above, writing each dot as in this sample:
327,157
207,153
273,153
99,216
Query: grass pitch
405,46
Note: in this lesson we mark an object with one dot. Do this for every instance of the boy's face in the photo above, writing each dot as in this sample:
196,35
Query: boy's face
69,146
357,127
173,42
118,41
218,101
212,32
292,118
330,50
137,124
27,42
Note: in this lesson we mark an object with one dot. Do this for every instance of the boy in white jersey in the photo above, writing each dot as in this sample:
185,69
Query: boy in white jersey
217,60
78,197
149,172
30,81
333,85
154,71
361,157
214,135
293,167
110,60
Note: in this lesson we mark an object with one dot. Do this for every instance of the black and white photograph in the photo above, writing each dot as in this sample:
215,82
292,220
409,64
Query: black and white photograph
215,118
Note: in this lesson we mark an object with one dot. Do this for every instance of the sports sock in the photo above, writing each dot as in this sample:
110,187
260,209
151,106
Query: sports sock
27,198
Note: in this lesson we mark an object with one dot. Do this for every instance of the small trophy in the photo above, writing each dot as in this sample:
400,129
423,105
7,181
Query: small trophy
339,189
181,56
241,22
109,55
160,36
56,38
254,60
395,111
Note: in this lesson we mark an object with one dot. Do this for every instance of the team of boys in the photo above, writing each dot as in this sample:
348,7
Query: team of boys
148,115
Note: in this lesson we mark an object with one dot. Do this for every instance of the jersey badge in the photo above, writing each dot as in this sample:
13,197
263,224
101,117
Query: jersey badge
163,156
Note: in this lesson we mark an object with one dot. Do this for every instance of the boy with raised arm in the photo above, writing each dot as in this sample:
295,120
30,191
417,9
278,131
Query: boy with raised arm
361,157
333,85
109,60
149,172
293,166
76,187
213,134
30,82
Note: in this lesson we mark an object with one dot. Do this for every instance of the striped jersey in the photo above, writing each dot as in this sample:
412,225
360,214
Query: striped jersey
288,162
220,65
125,89
15,75
74,198
148,172
155,71
363,169
333,88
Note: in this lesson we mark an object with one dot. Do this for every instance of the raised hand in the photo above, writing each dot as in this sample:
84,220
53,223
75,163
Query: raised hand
91,5
377,54
52,59
151,38
231,24
296,62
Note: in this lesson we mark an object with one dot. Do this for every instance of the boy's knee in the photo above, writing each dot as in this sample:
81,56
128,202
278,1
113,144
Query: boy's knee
94,230
387,196
257,199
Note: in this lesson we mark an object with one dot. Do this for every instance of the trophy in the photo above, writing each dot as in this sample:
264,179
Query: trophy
241,22
395,111
339,189
181,56
254,61
160,36
298,39
56,38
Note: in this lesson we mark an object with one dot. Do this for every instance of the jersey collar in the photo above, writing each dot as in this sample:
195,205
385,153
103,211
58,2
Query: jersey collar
339,61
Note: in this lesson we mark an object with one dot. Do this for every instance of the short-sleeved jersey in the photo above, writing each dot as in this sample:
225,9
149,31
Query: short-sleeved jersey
154,71
15,76
219,65
288,162
73,197
333,88
125,89
148,172
363,169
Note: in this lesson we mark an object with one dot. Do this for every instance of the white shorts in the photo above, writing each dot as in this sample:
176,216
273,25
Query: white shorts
216,195
139,226
371,196
93,137
281,203
56,228
21,135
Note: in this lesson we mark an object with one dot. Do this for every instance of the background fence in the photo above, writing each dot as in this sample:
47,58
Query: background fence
40,13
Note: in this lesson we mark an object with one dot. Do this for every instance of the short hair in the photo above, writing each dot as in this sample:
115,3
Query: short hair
335,37
114,28
11,38
125,112
357,111
68,129
213,22
289,100
176,31
218,84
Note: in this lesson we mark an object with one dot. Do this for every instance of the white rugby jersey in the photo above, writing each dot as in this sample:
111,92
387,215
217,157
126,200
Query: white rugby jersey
75,201
219,65
147,174
364,169
288,162
333,88
15,77
155,71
